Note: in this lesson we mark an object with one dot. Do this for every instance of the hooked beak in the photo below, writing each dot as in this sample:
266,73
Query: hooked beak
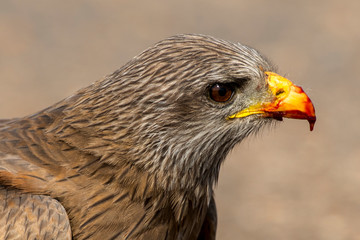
289,101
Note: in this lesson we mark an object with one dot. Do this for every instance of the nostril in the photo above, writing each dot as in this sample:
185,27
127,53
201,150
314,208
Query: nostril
280,91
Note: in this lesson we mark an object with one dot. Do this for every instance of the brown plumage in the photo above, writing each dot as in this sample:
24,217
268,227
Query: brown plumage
136,154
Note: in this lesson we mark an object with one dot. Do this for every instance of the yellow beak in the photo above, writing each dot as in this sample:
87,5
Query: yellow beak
289,101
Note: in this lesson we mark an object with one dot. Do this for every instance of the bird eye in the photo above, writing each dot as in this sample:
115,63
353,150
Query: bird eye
220,92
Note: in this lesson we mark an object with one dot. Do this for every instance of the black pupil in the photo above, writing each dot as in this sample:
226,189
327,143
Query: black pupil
222,90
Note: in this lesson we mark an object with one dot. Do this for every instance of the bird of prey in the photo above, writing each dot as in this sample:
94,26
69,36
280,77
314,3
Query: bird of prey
136,154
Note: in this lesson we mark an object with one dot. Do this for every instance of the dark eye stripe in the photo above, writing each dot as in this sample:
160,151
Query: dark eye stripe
220,92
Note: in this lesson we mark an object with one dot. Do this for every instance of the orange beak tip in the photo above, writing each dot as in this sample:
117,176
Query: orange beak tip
311,120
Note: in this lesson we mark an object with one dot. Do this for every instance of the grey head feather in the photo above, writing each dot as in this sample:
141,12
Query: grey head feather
155,112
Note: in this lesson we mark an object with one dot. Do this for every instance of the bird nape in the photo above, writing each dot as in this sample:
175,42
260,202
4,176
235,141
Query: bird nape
136,154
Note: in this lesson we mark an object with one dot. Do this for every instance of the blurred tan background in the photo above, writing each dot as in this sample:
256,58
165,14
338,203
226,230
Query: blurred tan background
285,183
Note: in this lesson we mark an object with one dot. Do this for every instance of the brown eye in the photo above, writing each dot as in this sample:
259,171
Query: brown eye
220,92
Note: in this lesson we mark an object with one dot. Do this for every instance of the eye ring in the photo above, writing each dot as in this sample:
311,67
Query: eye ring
220,92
